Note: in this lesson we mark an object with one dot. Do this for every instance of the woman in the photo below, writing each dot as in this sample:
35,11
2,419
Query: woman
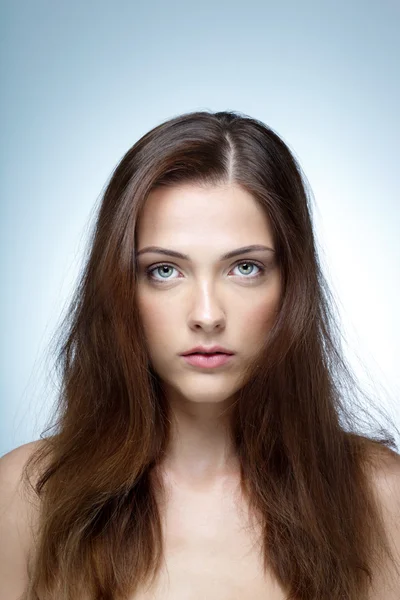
204,444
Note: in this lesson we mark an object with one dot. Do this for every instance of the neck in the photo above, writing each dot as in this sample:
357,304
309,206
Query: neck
200,449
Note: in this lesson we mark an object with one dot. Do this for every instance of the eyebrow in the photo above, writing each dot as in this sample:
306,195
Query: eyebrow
231,254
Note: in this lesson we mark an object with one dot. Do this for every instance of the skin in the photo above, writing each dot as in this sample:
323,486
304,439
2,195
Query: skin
203,301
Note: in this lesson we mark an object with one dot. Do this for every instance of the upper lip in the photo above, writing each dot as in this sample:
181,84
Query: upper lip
208,350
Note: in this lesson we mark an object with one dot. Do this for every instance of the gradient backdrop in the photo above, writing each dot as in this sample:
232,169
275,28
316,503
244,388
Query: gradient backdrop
82,81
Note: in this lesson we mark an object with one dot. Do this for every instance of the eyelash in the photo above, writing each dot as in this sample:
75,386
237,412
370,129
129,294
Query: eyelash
152,268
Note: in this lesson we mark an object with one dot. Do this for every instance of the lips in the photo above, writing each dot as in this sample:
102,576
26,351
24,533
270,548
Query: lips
208,351
208,361
205,353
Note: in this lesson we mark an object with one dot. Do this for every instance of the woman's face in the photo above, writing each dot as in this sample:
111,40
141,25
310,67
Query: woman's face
201,299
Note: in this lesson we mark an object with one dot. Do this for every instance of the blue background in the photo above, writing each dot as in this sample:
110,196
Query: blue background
82,81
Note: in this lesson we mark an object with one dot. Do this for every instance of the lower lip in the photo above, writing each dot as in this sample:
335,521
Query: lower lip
208,361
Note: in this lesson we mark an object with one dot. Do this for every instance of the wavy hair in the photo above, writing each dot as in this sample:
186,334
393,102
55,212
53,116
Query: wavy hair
303,454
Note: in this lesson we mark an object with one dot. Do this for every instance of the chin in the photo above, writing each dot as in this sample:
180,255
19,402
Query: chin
207,395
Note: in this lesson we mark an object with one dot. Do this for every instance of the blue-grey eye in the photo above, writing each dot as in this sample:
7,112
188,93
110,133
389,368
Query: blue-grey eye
248,264
161,270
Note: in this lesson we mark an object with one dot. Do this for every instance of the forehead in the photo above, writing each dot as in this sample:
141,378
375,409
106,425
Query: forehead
189,214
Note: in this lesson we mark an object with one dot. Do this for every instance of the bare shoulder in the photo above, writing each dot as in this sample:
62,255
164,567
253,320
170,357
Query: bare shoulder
12,467
15,460
385,475
17,496
17,519
385,478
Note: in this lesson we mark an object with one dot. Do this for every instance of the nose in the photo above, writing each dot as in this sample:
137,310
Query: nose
206,310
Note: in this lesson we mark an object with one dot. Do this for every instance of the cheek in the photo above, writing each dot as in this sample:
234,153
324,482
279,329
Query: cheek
257,318
157,317
260,312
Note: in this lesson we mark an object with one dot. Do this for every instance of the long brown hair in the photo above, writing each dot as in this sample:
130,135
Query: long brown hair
295,426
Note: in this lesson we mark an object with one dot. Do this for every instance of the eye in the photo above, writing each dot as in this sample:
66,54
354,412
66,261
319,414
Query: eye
248,264
164,270
160,269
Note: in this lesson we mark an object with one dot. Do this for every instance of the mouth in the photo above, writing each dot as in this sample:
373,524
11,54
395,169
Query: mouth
207,353
211,360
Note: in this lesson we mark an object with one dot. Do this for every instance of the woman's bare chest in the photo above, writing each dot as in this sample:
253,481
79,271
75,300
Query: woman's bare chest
211,551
